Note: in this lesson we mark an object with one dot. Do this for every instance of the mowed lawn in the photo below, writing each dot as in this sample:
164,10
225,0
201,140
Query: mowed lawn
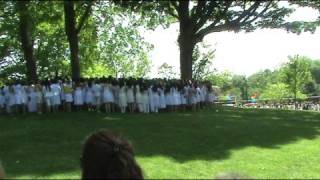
256,143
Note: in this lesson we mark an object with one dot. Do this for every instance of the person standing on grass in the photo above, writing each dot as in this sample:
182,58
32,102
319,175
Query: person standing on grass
107,155
130,95
108,98
67,91
78,96
39,97
97,90
56,98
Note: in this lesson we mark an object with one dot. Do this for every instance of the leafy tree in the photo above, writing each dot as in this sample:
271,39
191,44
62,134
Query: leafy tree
202,61
276,92
222,80
166,71
296,73
200,18
259,81
122,51
25,28
240,82
73,29
315,70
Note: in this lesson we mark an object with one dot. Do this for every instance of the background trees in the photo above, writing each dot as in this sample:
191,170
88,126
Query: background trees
197,19
103,36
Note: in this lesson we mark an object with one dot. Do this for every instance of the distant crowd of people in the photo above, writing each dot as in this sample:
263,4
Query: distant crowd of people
107,95
308,105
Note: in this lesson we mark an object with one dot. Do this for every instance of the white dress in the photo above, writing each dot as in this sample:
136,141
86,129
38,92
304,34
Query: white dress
116,91
39,97
78,96
12,99
56,90
139,99
168,99
123,97
32,103
107,94
89,95
156,101
48,96
96,89
162,99
145,101
130,95
18,94
151,103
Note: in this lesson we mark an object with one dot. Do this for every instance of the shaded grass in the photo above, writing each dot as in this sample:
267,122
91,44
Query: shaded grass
258,143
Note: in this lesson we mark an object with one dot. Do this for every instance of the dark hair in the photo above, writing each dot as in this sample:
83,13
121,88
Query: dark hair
107,155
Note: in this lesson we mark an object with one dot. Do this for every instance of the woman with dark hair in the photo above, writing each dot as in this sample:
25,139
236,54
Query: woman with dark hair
109,156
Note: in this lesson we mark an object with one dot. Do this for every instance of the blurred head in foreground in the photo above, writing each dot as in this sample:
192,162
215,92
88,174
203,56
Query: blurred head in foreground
107,155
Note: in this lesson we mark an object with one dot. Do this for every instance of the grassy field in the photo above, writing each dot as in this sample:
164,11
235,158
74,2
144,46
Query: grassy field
257,143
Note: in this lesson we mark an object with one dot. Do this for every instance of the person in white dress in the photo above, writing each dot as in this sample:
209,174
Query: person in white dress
151,104
56,98
192,97
48,96
88,95
155,99
162,98
67,91
11,99
139,100
78,96
97,90
32,96
184,96
115,91
39,97
130,96
19,97
108,98
123,97
145,99
169,98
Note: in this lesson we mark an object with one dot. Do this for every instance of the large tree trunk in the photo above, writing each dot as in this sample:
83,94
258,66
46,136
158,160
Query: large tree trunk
72,35
187,44
26,41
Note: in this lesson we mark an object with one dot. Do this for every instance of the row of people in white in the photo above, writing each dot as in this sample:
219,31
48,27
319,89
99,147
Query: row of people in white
149,99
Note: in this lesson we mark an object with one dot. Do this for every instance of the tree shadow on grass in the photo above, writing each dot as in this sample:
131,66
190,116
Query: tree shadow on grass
40,146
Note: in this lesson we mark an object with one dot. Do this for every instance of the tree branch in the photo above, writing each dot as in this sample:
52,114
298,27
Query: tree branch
196,15
234,24
258,15
171,10
183,10
84,17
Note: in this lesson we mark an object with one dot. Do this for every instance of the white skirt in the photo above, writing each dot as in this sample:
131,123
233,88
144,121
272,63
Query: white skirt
122,100
89,97
183,99
78,97
162,101
108,96
68,97
168,99
130,96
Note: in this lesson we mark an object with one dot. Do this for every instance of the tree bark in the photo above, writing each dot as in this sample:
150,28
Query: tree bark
26,40
72,36
187,44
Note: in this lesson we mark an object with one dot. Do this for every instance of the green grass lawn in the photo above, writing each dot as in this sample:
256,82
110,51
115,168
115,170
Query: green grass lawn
257,143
